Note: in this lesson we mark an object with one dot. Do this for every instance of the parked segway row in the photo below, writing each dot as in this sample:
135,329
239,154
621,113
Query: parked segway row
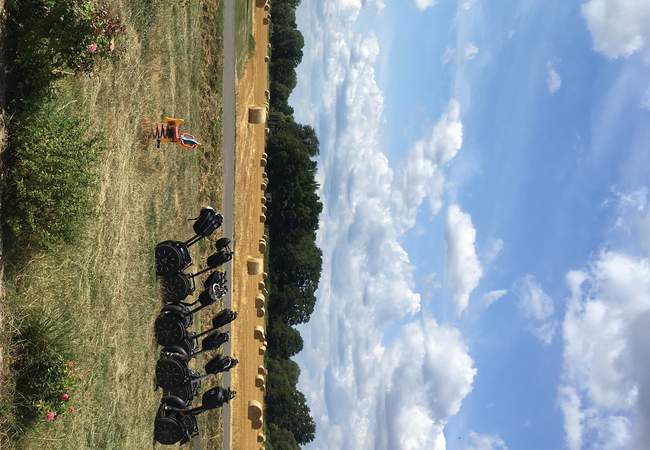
175,420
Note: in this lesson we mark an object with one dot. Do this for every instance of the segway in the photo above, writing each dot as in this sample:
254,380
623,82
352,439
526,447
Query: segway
185,352
181,285
172,371
174,256
170,329
174,319
176,422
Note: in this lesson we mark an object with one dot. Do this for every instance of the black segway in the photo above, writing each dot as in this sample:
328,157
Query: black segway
171,328
173,373
174,319
176,422
185,352
177,287
174,256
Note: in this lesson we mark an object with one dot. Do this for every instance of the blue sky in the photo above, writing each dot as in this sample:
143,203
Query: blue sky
486,232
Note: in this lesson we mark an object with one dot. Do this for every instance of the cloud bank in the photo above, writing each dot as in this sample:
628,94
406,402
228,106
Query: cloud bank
605,394
377,372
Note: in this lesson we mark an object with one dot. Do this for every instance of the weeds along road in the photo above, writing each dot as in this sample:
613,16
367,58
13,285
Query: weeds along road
228,149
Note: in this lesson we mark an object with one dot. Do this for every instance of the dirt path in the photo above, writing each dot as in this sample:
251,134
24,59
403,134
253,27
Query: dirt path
248,229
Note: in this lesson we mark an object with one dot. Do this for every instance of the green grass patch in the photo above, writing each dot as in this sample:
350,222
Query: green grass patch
244,41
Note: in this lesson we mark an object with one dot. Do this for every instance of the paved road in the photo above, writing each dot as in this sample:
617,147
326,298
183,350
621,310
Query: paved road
228,148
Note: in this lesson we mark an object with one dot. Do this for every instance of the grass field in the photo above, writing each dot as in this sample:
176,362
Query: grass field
105,285
244,40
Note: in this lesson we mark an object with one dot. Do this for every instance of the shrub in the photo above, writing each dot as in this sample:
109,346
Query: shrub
52,37
51,173
44,373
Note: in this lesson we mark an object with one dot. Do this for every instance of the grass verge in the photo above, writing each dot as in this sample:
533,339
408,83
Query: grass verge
244,40
104,282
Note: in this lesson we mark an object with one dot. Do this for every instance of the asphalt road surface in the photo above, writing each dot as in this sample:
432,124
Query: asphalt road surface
228,149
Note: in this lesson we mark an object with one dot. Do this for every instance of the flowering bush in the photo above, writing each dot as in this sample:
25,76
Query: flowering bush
64,383
53,37
100,41
46,379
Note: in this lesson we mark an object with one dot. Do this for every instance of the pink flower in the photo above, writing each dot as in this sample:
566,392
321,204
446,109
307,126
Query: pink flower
51,415
92,48
111,46
64,397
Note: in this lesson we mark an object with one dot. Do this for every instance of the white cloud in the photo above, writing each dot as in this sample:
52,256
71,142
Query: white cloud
570,405
378,5
619,28
484,442
493,250
456,55
537,307
367,389
424,4
464,268
422,175
645,99
553,80
429,375
471,50
465,5
632,217
493,296
605,395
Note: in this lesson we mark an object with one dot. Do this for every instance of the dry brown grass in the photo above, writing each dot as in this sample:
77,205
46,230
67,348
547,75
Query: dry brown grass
106,283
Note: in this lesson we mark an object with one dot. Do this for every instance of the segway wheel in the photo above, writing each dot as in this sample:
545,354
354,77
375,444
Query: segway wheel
177,288
169,330
170,430
185,392
187,345
170,259
171,373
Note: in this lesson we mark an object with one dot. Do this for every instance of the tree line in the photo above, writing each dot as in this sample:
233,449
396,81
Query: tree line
295,261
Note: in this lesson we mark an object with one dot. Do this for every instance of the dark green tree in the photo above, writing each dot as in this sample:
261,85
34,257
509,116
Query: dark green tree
284,340
282,439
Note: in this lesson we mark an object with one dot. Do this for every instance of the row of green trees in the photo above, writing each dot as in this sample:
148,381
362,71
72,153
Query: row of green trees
294,259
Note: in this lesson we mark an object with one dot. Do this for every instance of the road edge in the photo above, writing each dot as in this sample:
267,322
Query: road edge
228,151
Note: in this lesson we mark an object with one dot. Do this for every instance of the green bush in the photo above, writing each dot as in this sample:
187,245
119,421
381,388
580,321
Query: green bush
51,173
42,368
50,38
